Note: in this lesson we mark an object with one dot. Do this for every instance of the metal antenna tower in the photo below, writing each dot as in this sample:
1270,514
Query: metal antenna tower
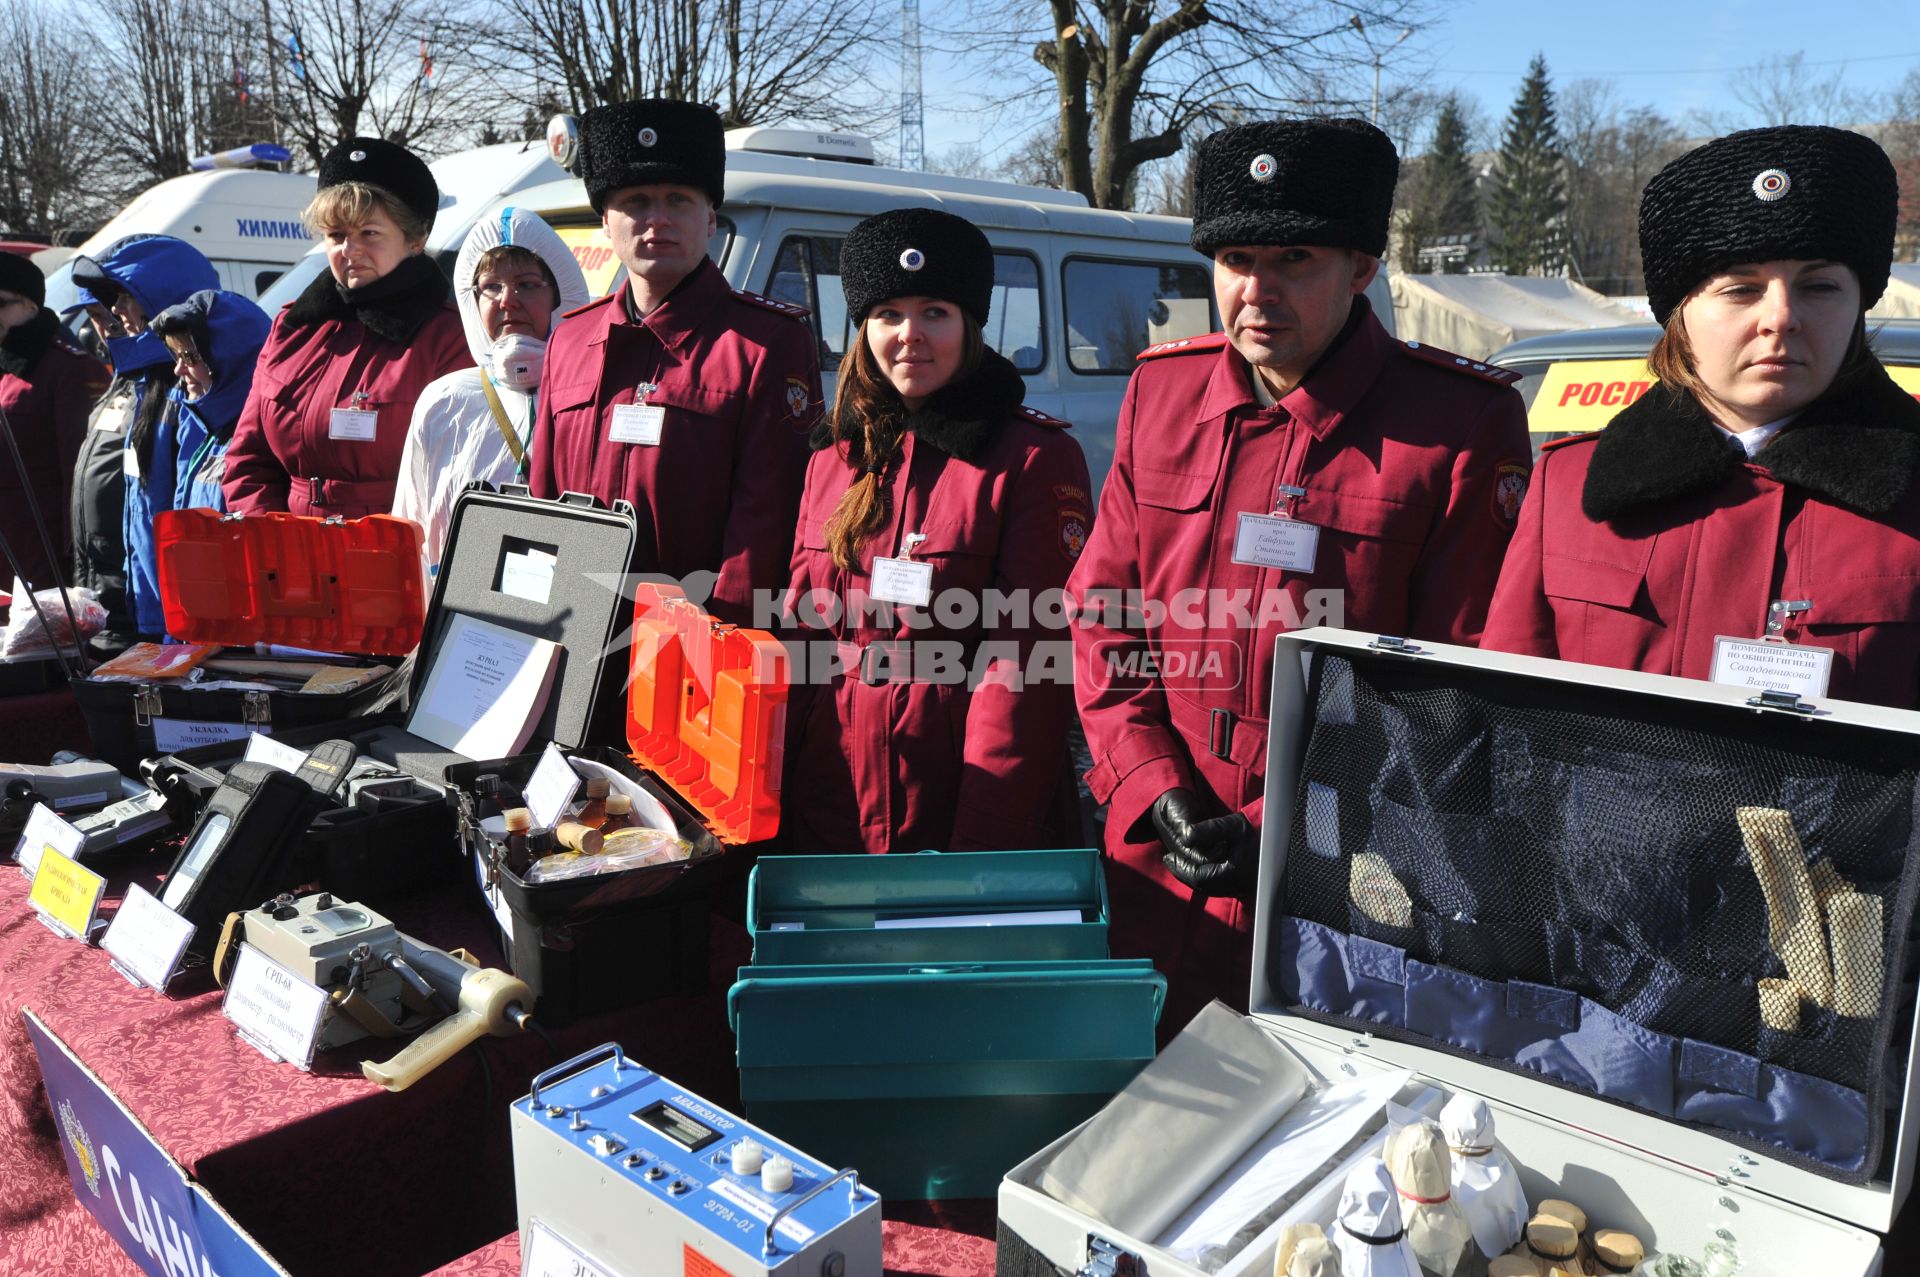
913,129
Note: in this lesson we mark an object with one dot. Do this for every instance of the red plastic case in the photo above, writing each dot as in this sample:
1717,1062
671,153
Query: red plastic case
334,585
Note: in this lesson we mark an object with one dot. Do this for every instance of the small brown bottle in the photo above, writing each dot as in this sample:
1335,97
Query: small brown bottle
519,848
619,813
593,812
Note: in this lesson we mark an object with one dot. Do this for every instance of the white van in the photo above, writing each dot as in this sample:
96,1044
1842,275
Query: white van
1078,291
247,222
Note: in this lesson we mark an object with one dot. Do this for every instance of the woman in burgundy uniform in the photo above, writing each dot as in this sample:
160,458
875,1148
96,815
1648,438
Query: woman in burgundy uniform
334,391
1753,519
934,715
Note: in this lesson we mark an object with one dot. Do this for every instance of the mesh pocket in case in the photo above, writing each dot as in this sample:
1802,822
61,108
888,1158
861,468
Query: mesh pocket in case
1700,914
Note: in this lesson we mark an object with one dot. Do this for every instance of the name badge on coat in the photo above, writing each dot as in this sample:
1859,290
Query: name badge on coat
116,416
637,423
355,425
1772,665
1275,541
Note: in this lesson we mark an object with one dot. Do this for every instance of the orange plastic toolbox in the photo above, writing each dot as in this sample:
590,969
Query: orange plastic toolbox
323,584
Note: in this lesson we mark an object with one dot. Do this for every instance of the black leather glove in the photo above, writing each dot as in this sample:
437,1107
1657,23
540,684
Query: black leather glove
1215,857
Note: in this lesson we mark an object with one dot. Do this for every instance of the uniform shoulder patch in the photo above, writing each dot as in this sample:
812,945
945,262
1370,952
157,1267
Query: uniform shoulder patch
601,300
1460,363
767,303
1553,444
1184,346
1039,418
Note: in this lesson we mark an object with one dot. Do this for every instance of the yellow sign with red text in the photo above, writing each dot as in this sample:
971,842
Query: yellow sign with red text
1578,395
1583,394
594,252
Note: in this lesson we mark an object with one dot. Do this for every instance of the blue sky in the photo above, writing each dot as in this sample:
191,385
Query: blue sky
1680,56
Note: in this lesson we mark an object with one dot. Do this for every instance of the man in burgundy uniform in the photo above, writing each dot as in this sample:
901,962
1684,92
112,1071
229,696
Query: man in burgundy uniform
676,393
1300,468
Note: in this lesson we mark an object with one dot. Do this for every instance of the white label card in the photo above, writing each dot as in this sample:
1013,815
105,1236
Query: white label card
905,581
528,575
637,423
171,735
44,829
146,939
356,425
274,1008
115,417
1778,667
130,462
545,1253
265,749
551,787
1269,541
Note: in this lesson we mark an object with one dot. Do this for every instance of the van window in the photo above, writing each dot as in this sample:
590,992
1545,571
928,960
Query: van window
1116,309
1014,325
806,272
263,280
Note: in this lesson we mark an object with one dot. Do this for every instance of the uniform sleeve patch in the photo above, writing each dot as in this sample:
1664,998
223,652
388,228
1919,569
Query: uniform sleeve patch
1070,492
798,398
1510,491
1073,533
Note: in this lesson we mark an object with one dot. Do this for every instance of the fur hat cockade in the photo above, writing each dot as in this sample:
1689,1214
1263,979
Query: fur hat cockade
917,252
652,142
1325,183
1795,192
374,161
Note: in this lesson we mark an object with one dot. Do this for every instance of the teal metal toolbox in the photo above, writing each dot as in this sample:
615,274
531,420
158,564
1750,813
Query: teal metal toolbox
933,1019
1050,906
934,1079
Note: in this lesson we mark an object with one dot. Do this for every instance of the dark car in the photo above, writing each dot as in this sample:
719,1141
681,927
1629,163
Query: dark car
1591,373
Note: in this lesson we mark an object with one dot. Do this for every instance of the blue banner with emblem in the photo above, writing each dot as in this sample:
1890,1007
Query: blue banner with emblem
169,1225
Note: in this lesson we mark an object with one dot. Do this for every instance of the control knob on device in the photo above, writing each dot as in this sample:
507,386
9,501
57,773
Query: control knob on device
746,1158
776,1174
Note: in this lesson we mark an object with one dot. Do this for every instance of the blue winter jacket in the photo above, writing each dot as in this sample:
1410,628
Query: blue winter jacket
228,331
160,271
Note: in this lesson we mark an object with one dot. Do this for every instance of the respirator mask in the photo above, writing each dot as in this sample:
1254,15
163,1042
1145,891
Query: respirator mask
516,361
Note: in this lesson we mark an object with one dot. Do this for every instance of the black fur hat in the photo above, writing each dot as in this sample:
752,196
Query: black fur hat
917,252
1310,182
1796,192
18,275
649,142
394,169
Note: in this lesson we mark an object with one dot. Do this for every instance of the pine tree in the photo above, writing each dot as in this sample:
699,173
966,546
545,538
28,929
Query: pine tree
1456,211
1437,196
1529,187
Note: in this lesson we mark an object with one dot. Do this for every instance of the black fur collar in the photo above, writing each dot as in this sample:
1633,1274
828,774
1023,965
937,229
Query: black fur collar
393,306
20,352
960,418
1858,446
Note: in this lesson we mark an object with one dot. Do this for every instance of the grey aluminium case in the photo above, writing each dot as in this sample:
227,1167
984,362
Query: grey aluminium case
1679,1187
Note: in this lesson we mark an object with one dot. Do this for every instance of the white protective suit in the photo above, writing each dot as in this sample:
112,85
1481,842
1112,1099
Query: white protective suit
1484,1181
454,439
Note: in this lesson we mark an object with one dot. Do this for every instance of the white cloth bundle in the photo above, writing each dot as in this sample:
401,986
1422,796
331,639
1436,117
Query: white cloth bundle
1304,1251
1367,1233
1422,1171
1484,1181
